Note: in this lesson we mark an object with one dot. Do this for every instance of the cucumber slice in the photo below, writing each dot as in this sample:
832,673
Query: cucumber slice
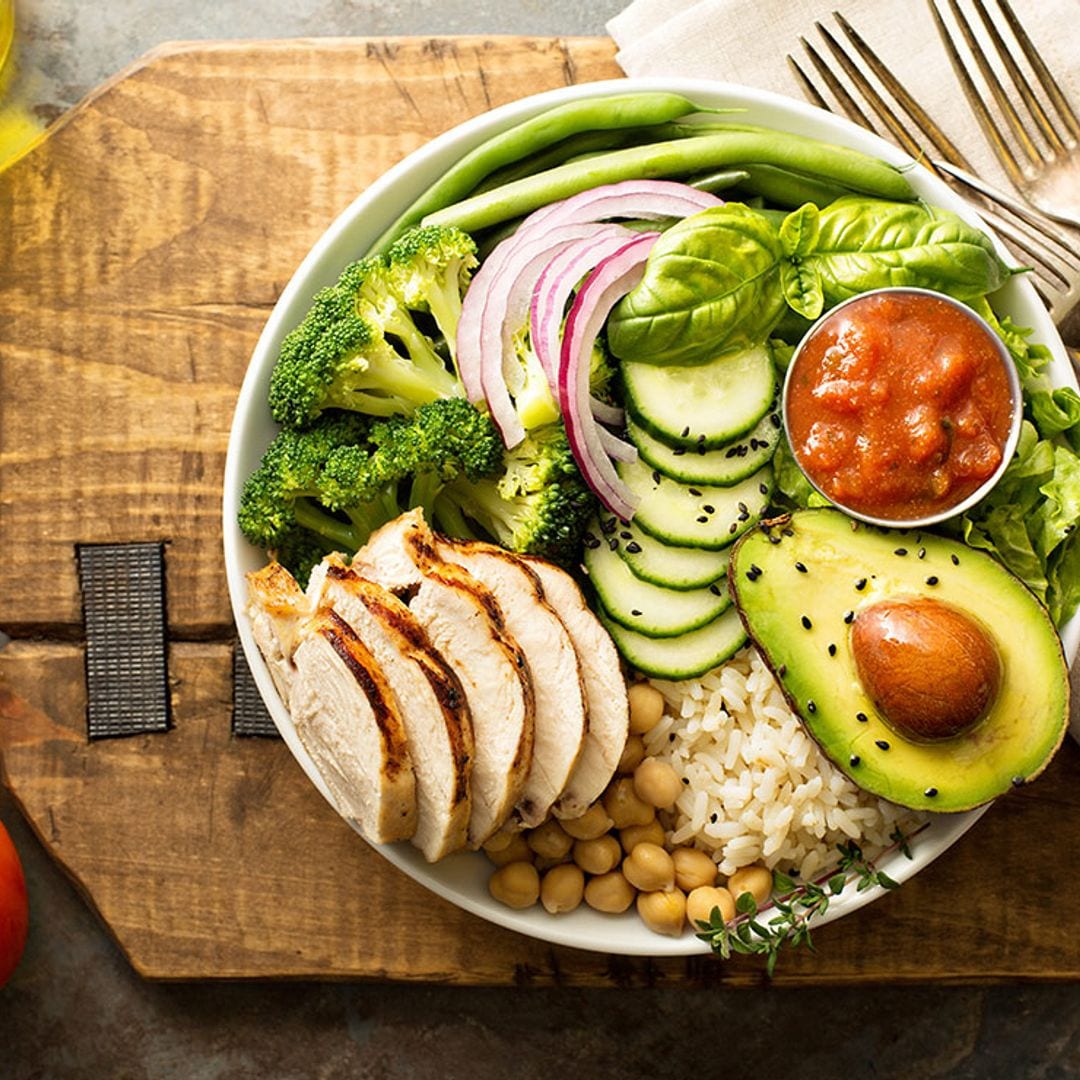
705,405
676,568
679,657
724,466
650,609
696,515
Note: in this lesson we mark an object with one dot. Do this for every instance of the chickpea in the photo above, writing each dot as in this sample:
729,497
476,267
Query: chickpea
663,912
562,888
646,707
499,841
693,868
516,850
610,893
549,841
649,868
657,783
632,754
599,855
593,823
516,885
755,880
623,805
632,835
702,900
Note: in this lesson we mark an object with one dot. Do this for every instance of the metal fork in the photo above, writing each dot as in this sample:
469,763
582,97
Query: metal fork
1049,249
1047,172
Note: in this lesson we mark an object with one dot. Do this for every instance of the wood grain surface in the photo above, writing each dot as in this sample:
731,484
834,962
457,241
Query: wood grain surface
145,243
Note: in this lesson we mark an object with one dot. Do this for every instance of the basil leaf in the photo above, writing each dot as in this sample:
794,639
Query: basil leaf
799,231
801,284
711,284
866,244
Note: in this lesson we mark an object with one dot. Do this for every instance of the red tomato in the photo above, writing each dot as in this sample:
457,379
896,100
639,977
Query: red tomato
14,911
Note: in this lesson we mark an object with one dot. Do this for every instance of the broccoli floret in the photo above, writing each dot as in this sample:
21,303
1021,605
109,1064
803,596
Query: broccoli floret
540,505
602,373
359,346
328,487
533,400
430,268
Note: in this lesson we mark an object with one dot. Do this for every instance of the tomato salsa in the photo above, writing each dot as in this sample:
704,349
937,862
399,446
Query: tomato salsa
899,405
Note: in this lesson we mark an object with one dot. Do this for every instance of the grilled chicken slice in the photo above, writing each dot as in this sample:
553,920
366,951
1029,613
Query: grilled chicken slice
429,696
605,691
277,607
561,711
346,717
463,621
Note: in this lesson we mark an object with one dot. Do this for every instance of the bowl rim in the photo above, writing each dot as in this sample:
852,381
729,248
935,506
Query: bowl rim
624,934
1016,406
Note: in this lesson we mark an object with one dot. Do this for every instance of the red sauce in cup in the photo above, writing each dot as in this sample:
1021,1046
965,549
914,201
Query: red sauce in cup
899,405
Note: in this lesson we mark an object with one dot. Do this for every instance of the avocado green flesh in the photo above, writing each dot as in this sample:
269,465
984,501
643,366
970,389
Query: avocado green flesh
776,600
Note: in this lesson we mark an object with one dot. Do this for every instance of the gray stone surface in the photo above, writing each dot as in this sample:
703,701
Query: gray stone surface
75,1008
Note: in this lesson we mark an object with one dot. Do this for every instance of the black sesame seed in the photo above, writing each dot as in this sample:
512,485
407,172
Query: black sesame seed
881,744
806,622
701,448
854,759
732,452
930,792
635,612
686,779
633,547
590,541
679,451
763,488
775,420
801,567
810,706
862,717
703,519
782,670
922,553
732,527
757,569
849,617
753,444
713,818
786,532
955,560
655,477
626,536
694,492
832,649
607,526
742,508
931,580
709,509
701,439
685,432
860,584
715,590
900,551
774,539
671,737
613,543
744,517
1017,781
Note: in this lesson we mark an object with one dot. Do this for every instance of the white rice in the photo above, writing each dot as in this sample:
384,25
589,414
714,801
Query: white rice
757,788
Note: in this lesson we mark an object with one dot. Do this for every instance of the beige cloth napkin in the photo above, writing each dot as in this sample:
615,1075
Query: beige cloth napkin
746,41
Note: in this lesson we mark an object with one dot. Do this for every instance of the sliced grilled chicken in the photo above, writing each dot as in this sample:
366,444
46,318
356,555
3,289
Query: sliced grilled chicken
605,691
429,696
464,623
277,607
346,717
561,711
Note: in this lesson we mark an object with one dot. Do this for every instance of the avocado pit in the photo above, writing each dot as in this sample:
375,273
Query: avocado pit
932,671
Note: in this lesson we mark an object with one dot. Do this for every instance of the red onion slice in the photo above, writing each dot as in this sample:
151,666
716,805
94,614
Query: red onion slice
607,414
605,286
557,281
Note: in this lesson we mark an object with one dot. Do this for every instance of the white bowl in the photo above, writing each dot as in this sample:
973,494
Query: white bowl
462,879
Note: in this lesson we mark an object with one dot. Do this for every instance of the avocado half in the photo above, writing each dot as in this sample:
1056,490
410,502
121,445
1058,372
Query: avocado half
800,583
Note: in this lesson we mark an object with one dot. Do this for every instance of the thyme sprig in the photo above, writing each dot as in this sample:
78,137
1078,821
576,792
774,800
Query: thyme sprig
795,905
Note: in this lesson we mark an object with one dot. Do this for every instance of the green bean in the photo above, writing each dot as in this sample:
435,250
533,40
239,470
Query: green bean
787,188
854,170
541,131
717,181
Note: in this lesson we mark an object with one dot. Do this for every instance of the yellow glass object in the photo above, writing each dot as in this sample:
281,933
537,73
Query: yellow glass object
19,129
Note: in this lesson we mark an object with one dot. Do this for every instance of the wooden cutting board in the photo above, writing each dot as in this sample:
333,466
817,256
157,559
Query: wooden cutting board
144,244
